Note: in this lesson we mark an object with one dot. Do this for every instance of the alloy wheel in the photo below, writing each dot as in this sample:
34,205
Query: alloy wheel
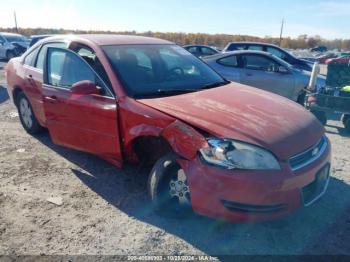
26,113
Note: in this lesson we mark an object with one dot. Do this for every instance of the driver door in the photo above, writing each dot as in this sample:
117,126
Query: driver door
84,122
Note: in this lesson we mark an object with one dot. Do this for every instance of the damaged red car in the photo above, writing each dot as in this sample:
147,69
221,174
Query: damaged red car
221,149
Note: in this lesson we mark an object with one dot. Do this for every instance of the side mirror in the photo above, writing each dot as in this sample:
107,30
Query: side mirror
283,70
85,87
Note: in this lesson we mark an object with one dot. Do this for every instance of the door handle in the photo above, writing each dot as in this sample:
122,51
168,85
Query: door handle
249,74
51,99
30,79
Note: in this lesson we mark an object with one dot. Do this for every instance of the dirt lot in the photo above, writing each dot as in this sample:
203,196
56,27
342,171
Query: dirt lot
106,210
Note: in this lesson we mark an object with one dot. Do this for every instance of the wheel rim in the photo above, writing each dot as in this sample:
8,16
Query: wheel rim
179,188
26,113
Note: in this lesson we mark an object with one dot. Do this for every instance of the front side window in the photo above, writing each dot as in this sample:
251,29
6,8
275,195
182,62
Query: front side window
255,47
43,50
15,38
152,70
276,52
258,62
91,58
229,61
64,69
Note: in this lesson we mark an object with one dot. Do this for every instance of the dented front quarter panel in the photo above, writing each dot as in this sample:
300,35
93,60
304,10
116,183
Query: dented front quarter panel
138,120
184,140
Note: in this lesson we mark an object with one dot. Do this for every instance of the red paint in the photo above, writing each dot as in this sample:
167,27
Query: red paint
108,127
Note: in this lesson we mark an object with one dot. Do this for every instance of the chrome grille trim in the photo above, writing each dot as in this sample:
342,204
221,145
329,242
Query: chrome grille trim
321,146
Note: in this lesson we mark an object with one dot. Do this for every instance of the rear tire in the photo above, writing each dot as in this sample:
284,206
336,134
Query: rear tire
168,188
10,55
321,116
26,115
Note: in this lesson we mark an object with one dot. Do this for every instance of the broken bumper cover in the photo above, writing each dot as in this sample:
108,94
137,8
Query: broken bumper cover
243,195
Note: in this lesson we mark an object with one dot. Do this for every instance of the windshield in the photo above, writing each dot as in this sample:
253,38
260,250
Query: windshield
15,38
154,70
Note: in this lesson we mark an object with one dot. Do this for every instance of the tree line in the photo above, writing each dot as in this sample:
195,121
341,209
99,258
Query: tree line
218,40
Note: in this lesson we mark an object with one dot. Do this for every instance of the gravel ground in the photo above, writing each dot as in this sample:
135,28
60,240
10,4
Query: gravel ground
106,210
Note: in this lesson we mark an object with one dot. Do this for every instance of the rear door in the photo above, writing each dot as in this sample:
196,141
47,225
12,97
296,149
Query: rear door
228,68
83,122
262,72
34,64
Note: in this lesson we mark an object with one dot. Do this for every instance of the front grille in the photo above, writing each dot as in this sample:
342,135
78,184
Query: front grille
308,156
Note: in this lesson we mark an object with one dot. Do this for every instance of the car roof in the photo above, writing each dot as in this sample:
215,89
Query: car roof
253,43
238,52
9,34
110,39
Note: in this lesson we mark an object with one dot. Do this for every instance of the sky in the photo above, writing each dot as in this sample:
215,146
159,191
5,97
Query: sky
328,18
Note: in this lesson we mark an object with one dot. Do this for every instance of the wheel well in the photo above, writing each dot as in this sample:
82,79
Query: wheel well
15,93
149,149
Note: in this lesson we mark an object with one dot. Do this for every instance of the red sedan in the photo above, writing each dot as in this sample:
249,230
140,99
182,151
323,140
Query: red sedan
221,149
340,60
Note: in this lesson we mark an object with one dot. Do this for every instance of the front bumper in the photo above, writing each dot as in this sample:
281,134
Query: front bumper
242,196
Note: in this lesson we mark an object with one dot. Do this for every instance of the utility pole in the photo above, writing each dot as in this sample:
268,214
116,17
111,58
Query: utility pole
281,32
14,14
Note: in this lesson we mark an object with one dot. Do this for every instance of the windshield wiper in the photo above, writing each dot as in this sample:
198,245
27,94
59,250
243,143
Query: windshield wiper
216,84
163,92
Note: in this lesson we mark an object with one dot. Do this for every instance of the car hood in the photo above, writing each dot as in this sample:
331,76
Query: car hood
247,114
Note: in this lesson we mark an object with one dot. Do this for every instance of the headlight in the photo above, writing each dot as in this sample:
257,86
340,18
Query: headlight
233,154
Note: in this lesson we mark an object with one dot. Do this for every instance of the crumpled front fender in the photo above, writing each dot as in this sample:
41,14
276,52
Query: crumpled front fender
184,140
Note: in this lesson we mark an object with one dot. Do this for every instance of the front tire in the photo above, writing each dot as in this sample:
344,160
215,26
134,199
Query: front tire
168,188
321,116
346,122
26,115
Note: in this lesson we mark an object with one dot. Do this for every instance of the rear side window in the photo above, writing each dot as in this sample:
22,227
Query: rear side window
233,47
207,51
30,58
229,61
43,50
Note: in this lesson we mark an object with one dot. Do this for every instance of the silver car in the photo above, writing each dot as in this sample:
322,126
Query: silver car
265,71
12,45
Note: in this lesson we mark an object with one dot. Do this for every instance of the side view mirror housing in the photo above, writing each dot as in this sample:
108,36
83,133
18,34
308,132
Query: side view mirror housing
85,87
283,70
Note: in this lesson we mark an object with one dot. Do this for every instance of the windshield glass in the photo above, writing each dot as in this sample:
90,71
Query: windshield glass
153,70
15,38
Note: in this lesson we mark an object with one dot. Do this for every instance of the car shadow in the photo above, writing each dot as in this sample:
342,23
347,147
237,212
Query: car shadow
308,231
3,94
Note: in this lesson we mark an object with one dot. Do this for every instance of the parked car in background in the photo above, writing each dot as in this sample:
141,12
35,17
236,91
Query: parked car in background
222,149
320,49
201,50
341,60
265,71
36,38
12,45
323,58
273,49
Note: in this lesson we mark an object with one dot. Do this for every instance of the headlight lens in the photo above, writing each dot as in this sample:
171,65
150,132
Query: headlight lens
233,154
